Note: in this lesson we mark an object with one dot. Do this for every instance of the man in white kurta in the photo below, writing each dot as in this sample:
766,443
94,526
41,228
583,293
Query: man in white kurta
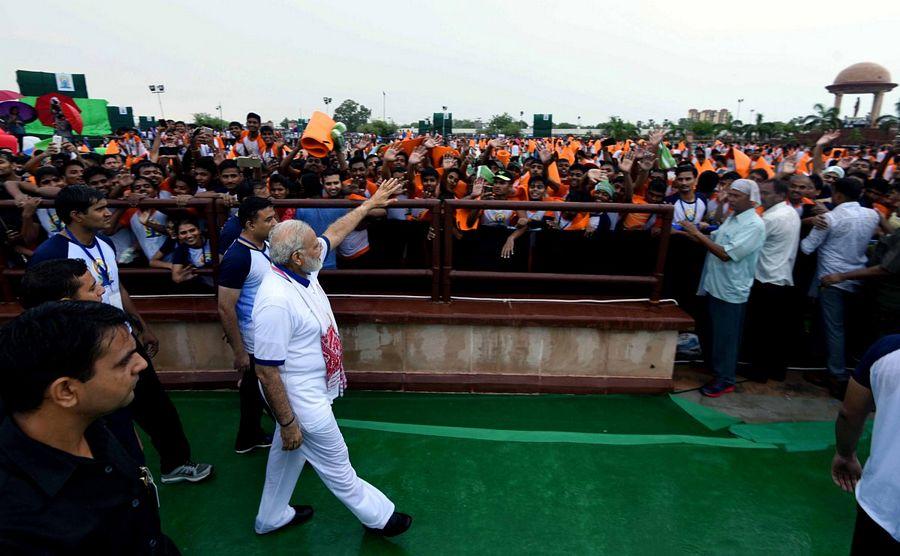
298,357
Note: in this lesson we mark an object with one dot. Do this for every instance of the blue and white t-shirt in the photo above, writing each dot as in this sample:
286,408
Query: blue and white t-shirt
243,268
197,257
99,256
879,489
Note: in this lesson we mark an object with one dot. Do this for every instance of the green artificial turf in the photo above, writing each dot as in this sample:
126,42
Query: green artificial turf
498,496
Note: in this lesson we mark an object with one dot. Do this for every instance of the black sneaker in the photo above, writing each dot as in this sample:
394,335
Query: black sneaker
190,472
397,524
244,445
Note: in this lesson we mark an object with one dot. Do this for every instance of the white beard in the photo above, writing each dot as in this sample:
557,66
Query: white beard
311,265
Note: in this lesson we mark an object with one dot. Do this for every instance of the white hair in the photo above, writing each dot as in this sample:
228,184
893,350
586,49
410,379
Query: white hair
285,239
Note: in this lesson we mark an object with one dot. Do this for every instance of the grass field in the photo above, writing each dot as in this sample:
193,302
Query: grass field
643,478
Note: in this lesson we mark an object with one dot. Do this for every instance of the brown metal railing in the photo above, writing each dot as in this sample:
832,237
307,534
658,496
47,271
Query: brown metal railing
441,272
434,272
655,280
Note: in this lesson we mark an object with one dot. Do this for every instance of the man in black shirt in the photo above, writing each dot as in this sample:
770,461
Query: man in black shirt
68,485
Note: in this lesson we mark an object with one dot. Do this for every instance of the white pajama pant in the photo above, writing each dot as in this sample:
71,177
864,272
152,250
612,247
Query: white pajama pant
324,448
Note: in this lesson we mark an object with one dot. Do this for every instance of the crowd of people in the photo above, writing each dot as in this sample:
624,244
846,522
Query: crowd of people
763,236
845,198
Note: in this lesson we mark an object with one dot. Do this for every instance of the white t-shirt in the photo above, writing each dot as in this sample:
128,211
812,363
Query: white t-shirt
149,239
878,491
693,212
287,334
499,217
50,221
777,256
123,241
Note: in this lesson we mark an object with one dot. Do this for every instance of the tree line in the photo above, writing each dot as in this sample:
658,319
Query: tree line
357,119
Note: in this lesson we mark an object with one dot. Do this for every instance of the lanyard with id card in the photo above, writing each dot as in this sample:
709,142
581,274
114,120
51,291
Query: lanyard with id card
101,268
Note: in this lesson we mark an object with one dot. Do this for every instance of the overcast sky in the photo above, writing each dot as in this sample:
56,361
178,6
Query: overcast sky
637,60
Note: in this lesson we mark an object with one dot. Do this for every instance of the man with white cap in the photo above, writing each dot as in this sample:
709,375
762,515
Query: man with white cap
831,175
299,361
727,278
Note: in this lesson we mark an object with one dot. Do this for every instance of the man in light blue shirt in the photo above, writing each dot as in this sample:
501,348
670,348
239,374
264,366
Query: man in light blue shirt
320,218
727,278
841,245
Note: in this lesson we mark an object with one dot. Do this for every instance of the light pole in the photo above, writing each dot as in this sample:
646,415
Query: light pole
158,90
383,106
327,101
738,117
219,108
579,122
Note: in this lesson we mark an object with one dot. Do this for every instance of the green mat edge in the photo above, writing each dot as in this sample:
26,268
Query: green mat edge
713,419
502,435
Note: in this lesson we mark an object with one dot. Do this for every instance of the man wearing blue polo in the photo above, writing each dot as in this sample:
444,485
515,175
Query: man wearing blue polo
245,264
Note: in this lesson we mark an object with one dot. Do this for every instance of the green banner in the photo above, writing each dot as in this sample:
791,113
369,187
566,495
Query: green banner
93,114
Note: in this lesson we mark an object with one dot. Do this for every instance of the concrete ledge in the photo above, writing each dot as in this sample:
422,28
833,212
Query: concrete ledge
464,346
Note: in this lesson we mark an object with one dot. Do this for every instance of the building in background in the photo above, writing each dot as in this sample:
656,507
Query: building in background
722,116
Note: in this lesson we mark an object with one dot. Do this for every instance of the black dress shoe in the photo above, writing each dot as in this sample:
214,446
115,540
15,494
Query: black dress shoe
397,524
302,515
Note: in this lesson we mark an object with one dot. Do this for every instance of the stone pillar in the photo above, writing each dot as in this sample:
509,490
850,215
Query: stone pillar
838,97
876,108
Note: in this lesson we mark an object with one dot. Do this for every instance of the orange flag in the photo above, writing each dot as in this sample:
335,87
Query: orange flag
804,166
553,173
761,163
316,137
705,167
741,161
438,153
409,145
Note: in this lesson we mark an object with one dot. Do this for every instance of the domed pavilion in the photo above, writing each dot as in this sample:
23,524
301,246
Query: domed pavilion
863,78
